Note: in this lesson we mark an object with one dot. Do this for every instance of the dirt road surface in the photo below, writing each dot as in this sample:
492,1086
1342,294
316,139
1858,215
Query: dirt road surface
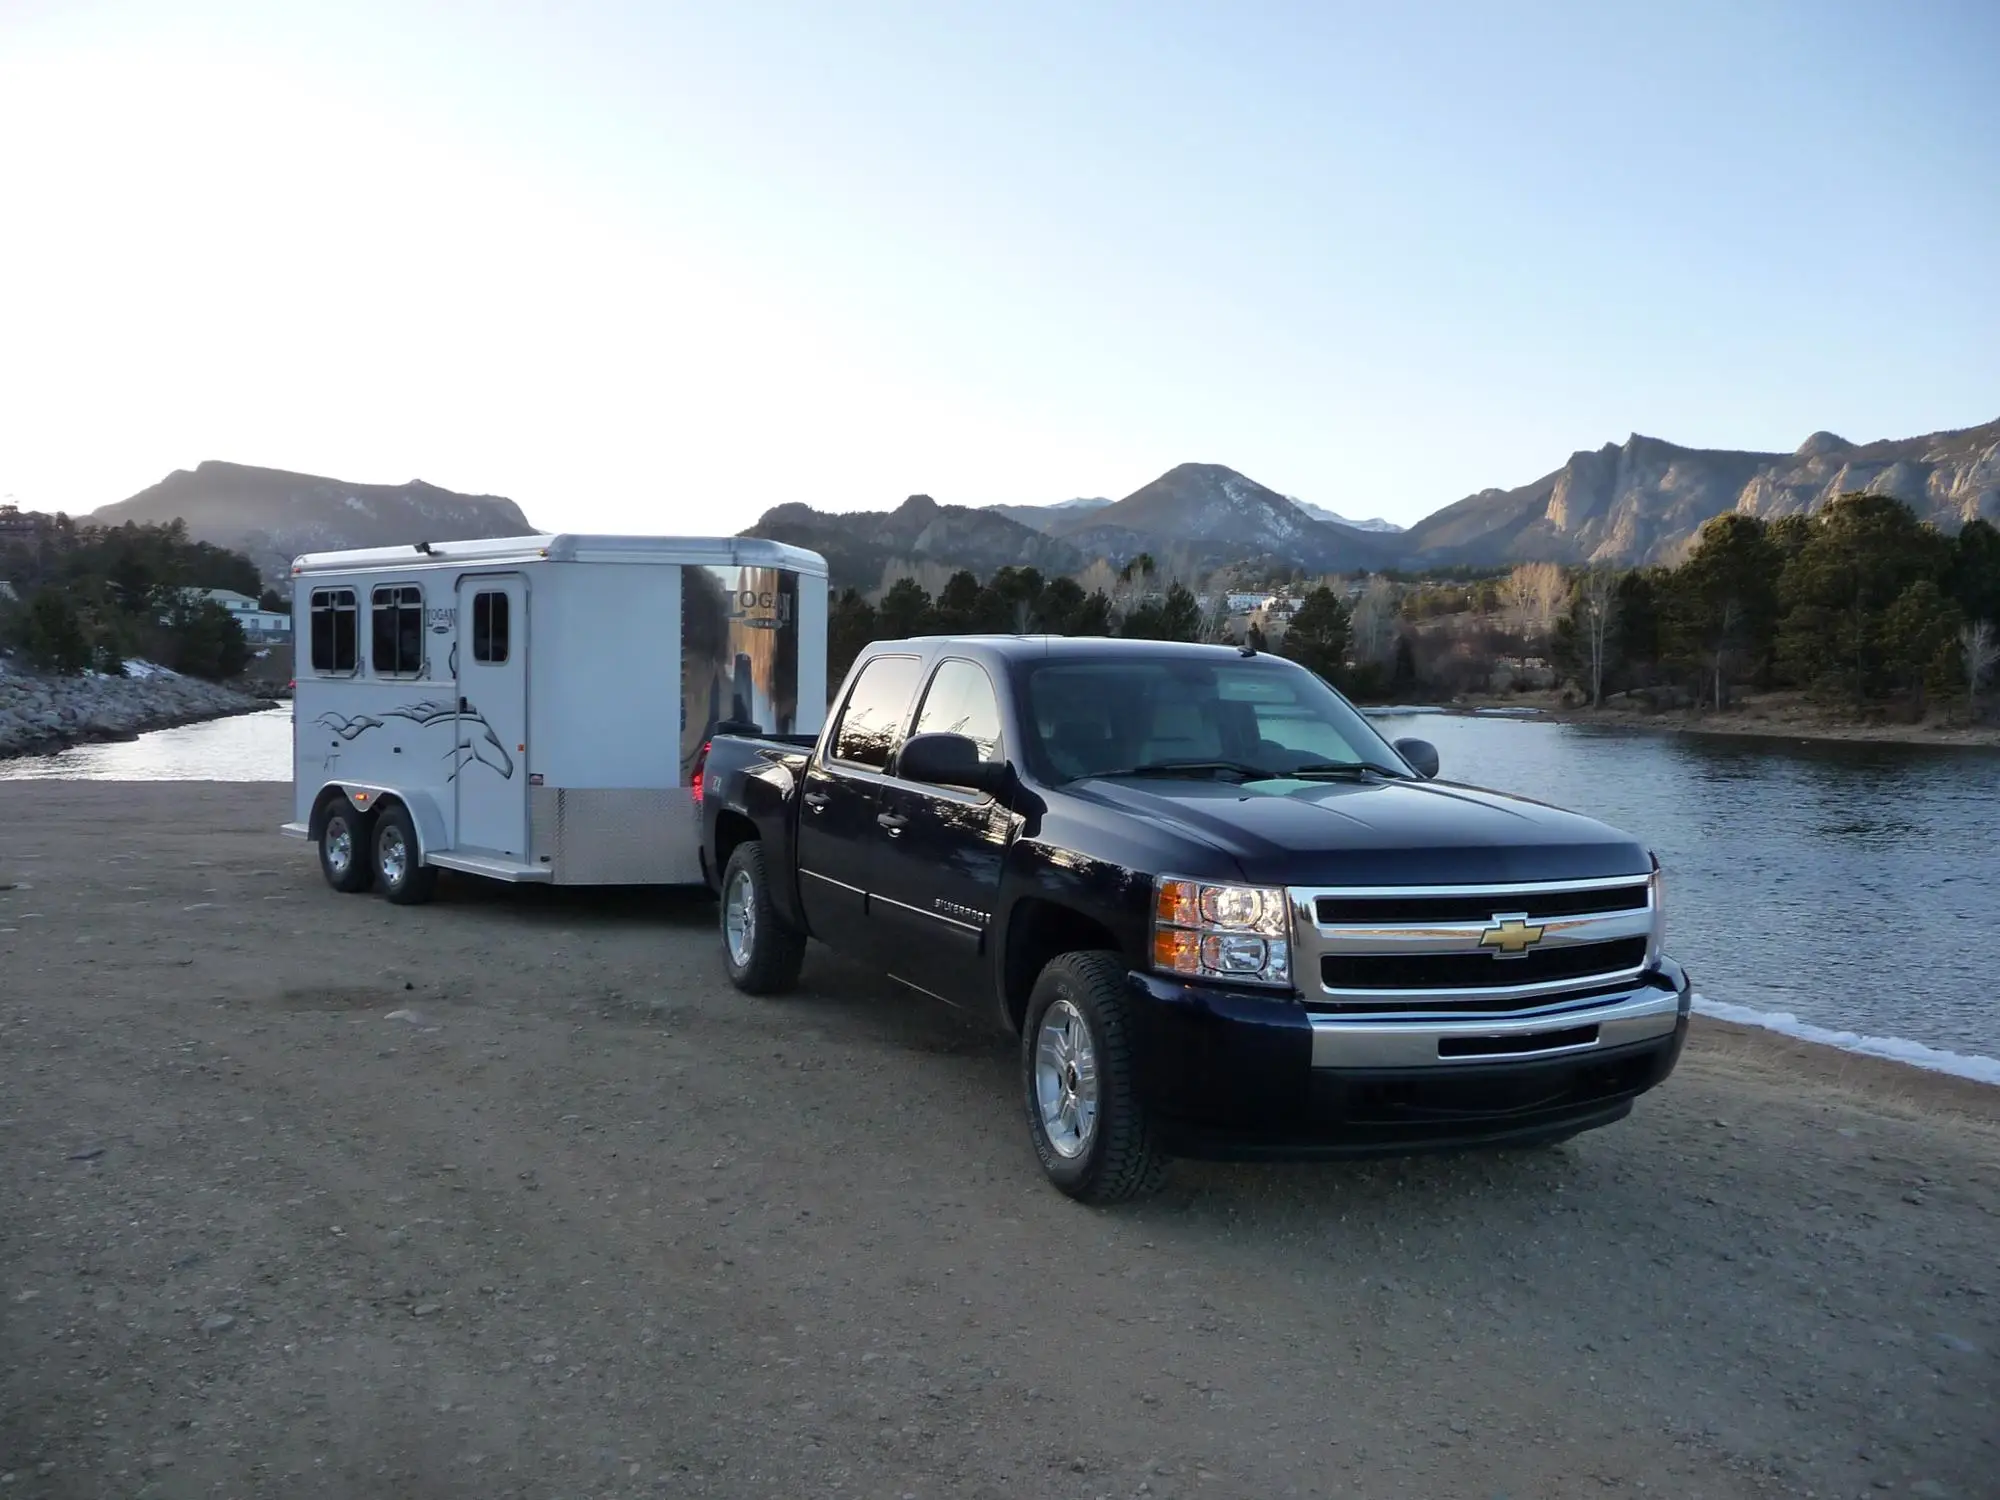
304,1194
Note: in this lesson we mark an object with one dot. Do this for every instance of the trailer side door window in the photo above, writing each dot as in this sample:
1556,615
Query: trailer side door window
335,631
489,627
872,722
399,631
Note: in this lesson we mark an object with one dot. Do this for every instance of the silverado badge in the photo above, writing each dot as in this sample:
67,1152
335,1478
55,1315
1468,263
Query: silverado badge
1510,936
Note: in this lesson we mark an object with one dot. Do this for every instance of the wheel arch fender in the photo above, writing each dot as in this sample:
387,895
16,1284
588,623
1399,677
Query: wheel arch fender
368,798
1056,902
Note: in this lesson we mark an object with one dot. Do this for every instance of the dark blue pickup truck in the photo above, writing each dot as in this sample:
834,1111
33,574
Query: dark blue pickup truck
1224,915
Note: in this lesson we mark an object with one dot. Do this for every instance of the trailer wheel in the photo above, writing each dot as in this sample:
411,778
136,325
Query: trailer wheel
344,848
762,952
399,874
1081,1085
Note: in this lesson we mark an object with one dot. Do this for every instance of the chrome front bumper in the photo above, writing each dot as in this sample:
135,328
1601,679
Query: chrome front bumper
1646,1013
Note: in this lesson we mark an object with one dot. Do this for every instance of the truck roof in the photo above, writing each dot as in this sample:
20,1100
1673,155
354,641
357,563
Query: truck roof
717,551
1024,647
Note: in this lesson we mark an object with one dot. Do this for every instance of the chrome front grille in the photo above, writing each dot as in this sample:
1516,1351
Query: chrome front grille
1502,949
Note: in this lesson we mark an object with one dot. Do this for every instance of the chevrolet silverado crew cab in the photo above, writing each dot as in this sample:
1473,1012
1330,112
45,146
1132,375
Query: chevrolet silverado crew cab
1225,917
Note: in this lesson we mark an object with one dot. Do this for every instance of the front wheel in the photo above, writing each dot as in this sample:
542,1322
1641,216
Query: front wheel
344,849
764,954
1082,1091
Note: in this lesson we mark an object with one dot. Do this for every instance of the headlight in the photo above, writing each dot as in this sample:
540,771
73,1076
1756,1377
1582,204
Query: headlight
1658,944
1234,932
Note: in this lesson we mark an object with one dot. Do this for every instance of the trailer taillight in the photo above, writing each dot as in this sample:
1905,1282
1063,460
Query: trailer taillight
699,775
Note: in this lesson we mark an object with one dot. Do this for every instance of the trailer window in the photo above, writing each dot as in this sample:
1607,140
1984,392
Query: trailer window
489,627
335,633
399,631
871,722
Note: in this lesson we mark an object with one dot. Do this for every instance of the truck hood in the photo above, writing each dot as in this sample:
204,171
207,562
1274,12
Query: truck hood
1362,833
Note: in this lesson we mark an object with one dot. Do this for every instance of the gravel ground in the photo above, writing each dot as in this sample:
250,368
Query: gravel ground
303,1194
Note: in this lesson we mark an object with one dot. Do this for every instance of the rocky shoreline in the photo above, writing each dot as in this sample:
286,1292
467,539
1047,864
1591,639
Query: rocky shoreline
41,714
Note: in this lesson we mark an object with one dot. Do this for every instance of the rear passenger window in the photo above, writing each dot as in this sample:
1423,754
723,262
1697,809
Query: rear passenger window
960,701
871,721
399,631
335,631
489,627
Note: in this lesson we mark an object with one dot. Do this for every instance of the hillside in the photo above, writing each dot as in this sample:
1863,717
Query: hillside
272,515
1048,517
1044,517
1211,515
857,544
1643,500
1321,513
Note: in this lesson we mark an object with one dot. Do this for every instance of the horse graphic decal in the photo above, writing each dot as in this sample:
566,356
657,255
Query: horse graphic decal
473,738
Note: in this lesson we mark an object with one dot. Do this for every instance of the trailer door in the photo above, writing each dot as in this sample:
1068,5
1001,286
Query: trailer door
490,775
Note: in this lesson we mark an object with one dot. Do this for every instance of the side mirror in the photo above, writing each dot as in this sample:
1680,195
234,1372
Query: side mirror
1422,756
951,760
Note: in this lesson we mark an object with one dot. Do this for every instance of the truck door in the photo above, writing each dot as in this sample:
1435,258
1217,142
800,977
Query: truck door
840,838
939,870
489,772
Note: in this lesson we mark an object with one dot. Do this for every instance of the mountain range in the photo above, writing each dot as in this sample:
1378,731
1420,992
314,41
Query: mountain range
1622,504
1045,519
858,544
1643,500
1196,516
273,515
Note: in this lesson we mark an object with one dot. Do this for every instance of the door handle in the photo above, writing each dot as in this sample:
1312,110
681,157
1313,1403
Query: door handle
892,821
815,800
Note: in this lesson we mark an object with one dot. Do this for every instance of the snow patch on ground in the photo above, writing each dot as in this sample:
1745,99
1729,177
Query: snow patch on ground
142,669
1896,1049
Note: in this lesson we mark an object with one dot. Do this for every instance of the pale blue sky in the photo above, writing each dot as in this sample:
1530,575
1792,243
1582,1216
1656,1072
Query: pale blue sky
659,266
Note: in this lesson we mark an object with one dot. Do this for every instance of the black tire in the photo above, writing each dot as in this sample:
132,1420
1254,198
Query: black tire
346,848
766,959
399,874
1116,1158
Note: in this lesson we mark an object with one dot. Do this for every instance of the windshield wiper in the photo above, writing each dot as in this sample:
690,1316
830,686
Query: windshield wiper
1253,773
1347,768
1188,768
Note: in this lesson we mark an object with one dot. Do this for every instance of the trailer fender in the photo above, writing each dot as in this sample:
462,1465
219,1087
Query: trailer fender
424,810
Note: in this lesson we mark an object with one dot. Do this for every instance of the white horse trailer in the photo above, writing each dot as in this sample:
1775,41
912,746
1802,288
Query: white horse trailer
530,708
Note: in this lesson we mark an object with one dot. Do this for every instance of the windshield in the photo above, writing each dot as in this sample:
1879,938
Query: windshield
1254,715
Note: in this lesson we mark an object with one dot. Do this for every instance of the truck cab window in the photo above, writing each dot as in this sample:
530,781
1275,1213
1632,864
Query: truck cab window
399,631
335,635
960,701
871,723
489,627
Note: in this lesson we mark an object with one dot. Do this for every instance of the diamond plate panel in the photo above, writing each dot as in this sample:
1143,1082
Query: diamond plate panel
615,835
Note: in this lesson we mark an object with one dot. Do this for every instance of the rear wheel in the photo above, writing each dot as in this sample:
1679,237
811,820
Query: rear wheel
763,953
1082,1091
344,848
399,873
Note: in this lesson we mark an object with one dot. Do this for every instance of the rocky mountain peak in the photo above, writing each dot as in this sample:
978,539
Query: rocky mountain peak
1824,444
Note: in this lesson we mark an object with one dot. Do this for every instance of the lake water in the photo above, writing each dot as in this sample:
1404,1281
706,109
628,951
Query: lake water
1853,887
249,747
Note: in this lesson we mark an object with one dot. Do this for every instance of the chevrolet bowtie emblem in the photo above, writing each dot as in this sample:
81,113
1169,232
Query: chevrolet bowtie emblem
1510,936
